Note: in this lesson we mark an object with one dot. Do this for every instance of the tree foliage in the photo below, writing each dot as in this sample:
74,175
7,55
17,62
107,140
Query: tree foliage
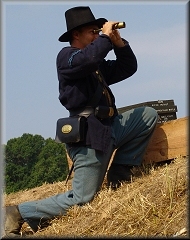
30,161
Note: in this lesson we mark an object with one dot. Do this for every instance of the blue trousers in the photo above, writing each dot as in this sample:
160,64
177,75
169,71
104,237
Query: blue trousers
131,132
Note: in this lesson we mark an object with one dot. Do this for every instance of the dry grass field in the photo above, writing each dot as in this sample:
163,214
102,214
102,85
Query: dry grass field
153,205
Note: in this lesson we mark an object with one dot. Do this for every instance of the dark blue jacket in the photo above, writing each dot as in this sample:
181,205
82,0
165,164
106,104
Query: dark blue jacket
75,68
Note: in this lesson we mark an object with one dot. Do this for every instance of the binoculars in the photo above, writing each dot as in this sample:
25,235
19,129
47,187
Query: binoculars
115,26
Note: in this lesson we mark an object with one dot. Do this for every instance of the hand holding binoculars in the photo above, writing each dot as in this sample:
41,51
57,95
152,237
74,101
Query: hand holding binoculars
115,26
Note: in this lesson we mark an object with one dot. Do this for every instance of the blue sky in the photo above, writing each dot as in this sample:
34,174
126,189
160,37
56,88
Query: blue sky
156,31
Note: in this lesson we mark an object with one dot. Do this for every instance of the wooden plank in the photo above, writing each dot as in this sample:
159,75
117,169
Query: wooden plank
169,140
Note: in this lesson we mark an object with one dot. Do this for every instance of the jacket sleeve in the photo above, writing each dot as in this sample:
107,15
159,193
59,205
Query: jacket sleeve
74,63
123,67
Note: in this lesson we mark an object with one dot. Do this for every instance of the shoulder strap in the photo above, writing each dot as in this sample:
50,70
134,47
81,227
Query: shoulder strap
105,87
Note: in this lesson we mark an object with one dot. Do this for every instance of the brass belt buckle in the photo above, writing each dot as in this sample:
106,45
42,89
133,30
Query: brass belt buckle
111,112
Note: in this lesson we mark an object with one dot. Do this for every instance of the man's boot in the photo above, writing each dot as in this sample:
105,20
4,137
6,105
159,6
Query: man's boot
117,174
13,221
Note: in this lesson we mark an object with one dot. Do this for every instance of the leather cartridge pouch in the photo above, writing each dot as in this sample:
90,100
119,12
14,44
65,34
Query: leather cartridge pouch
104,112
71,129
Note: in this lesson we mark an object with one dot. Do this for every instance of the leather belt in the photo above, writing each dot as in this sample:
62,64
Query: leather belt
82,111
100,112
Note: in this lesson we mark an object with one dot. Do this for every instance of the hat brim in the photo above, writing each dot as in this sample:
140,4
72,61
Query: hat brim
65,37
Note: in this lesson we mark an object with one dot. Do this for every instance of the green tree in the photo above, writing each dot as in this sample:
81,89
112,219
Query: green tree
24,150
20,154
30,160
15,177
51,166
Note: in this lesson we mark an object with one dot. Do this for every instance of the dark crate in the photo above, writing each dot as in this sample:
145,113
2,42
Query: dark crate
166,109
166,117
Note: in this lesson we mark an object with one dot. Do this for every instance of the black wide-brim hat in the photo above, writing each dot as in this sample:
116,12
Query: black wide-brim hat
79,17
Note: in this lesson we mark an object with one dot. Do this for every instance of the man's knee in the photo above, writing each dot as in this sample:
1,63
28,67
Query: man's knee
150,115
